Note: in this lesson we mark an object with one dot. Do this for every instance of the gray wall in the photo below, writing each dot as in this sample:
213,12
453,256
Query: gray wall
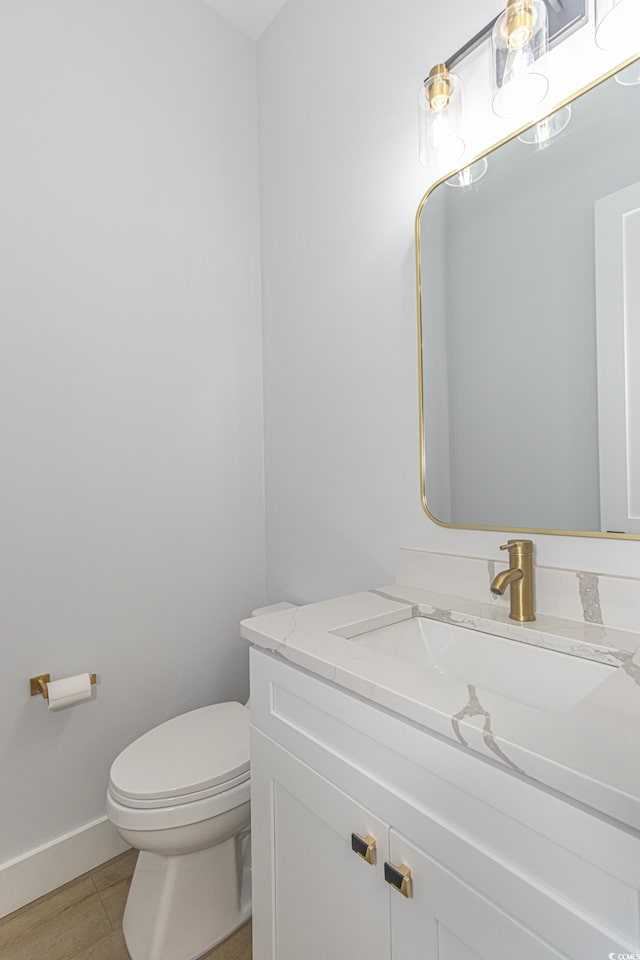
340,183
130,364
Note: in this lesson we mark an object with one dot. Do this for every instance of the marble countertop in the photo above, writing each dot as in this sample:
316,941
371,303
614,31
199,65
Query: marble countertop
589,753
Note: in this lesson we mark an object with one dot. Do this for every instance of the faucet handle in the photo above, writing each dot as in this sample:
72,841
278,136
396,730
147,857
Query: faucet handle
521,547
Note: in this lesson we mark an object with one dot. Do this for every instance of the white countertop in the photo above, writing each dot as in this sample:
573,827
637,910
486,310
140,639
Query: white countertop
590,753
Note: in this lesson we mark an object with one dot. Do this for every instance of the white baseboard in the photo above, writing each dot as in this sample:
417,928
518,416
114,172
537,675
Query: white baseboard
65,858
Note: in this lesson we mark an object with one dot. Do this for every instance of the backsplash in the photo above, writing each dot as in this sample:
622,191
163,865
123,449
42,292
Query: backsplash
570,594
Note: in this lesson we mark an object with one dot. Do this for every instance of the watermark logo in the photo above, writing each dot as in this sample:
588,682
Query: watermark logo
624,956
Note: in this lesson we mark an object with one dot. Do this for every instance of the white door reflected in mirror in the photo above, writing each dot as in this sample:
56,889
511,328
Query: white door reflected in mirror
618,330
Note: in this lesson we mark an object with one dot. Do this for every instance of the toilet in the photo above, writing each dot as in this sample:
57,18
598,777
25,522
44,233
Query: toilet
180,794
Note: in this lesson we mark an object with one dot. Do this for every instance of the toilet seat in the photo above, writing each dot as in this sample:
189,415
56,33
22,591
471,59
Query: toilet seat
156,804
189,759
178,815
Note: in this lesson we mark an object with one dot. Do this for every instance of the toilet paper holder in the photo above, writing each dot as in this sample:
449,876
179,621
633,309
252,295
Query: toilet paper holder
38,685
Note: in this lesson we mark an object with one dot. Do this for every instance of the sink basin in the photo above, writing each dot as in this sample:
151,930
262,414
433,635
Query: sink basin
545,679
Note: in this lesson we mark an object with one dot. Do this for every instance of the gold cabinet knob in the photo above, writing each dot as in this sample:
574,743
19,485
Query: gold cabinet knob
399,878
365,847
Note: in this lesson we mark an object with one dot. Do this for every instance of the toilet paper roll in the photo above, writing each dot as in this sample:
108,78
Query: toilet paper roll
64,693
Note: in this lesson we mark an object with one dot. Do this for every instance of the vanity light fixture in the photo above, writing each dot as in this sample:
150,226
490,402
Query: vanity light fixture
616,21
521,36
439,118
541,133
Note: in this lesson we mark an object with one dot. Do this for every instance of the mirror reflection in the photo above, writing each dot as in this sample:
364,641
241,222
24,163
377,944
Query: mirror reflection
530,311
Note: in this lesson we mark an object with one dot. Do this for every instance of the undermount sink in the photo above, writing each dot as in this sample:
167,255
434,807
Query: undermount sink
544,679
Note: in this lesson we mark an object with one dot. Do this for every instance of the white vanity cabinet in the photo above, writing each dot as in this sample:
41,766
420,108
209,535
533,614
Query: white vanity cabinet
328,902
499,868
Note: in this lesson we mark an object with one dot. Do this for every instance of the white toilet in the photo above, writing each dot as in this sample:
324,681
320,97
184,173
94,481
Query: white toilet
181,795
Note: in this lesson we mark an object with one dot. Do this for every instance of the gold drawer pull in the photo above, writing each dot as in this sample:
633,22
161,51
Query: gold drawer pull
365,847
399,878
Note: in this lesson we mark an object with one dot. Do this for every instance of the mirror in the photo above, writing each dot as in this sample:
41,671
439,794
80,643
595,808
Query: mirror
529,321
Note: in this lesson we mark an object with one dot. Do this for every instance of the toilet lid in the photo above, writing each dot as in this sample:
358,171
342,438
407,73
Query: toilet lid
189,754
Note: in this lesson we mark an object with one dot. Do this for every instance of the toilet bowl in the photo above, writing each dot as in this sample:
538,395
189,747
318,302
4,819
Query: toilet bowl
180,794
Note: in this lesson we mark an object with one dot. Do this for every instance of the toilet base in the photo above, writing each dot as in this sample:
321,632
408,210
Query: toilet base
180,907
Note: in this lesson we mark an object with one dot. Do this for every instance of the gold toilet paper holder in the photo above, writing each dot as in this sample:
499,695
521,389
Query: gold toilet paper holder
38,685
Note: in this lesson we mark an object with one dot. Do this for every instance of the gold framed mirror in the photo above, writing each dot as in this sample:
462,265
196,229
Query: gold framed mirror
529,325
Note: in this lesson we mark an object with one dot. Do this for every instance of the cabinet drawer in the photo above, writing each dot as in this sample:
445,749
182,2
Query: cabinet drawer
575,855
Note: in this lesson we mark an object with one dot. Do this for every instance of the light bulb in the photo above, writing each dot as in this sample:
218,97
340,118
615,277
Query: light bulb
448,146
522,88
519,26
469,175
519,38
519,61
541,133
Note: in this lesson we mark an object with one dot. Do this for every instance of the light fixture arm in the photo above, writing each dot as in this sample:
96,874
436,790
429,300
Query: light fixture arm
471,44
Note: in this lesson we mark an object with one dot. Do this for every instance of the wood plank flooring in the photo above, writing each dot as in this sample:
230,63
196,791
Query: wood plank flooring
83,921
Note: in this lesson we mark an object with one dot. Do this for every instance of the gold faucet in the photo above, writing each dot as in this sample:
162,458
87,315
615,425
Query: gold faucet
519,577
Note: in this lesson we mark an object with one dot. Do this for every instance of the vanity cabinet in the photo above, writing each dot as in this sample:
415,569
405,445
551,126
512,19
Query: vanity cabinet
329,902
499,867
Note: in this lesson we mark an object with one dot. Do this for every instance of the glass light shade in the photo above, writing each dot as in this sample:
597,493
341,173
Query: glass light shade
519,40
617,21
541,133
630,76
440,119
470,174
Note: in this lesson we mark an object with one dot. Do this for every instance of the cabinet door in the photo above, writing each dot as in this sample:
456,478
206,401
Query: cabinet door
448,918
324,900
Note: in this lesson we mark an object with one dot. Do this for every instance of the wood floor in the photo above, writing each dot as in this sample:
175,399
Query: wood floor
83,921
